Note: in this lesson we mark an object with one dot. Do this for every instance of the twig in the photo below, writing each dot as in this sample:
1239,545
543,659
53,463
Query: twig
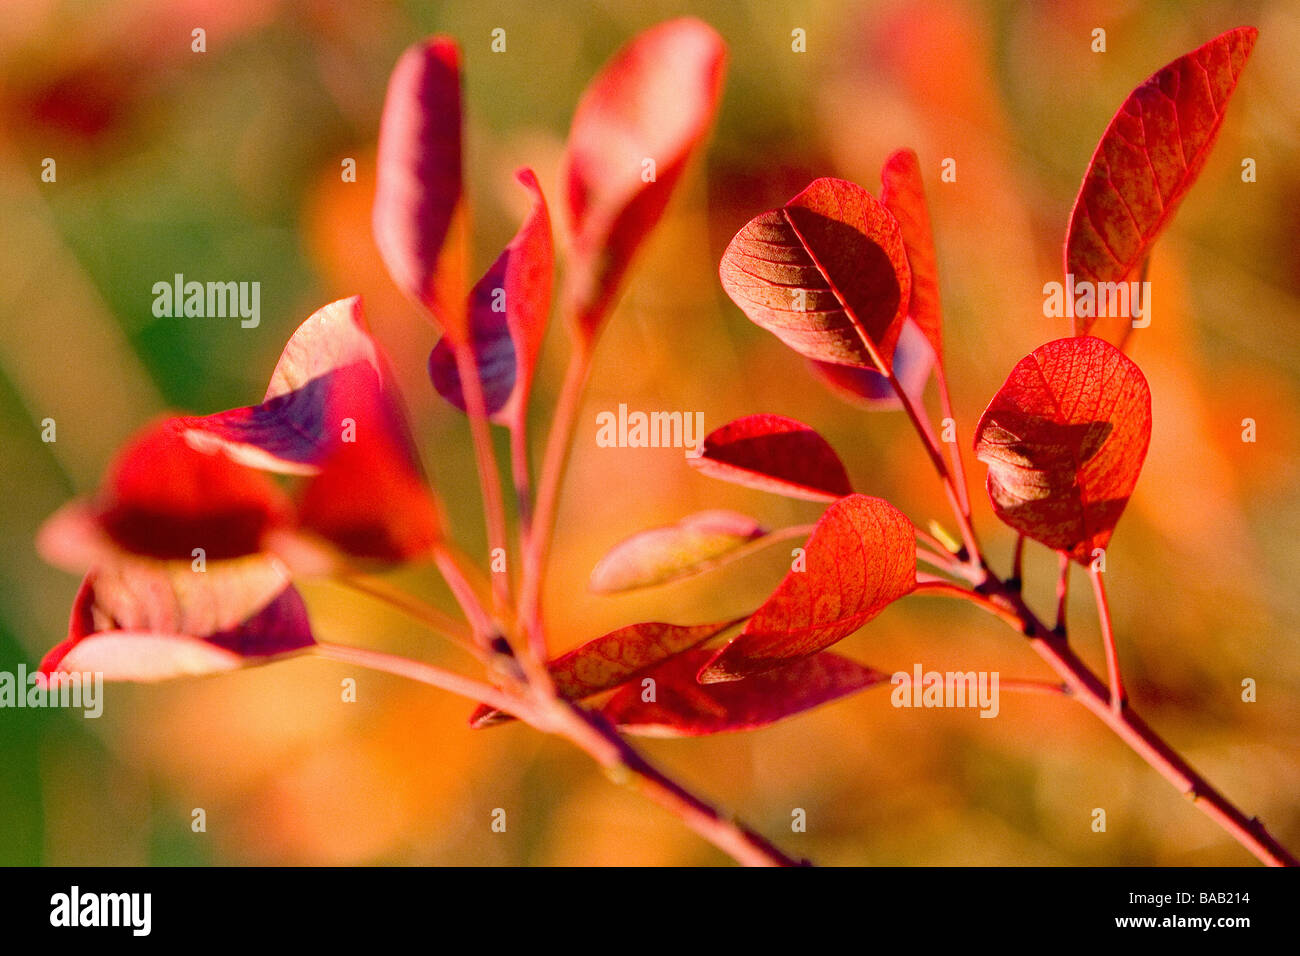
485,457
597,738
1089,690
1118,696
1062,592
426,674
558,443
922,425
1017,579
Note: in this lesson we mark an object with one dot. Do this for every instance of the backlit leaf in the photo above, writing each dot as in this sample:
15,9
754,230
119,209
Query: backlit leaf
1148,158
684,708
652,103
860,558
903,193
697,543
1064,439
913,363
827,274
619,656
328,357
774,453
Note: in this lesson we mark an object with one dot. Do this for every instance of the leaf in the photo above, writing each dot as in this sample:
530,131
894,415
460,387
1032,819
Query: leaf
508,310
418,180
371,499
332,412
1148,158
654,100
774,453
617,657
100,642
163,499
860,558
903,193
172,597
683,708
698,543
1064,439
913,363
827,274
328,357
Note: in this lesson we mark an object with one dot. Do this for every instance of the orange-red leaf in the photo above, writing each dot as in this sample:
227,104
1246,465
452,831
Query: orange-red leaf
860,558
903,193
827,274
654,101
1148,158
618,657
774,453
683,708
1064,439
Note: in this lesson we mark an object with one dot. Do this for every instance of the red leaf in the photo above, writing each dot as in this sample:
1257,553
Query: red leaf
508,310
147,644
697,543
903,193
1148,158
1064,439
620,656
163,499
860,558
655,100
683,708
913,363
328,357
371,498
418,179
827,274
776,454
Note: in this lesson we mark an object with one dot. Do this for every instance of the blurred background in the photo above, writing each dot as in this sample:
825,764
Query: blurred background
226,165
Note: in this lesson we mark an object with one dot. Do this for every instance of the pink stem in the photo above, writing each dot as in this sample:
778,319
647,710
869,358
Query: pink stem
1118,697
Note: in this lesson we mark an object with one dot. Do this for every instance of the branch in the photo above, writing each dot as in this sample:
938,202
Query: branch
1089,690
591,733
